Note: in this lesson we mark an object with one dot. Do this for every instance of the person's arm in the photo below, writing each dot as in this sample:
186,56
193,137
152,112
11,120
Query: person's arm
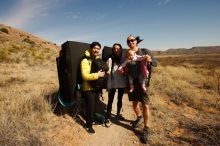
109,64
140,57
85,71
123,64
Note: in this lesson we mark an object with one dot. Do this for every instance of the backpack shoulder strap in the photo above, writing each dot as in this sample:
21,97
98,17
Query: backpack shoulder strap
145,51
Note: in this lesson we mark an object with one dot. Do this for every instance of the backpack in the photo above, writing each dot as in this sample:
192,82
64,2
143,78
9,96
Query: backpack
101,82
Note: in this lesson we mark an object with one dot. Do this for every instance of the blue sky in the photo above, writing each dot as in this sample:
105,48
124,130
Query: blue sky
163,24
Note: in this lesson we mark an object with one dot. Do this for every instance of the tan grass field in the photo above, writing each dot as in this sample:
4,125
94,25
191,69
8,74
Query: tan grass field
188,105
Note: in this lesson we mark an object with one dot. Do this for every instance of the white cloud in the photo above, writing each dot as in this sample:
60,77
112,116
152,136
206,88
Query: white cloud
75,16
164,2
26,11
72,15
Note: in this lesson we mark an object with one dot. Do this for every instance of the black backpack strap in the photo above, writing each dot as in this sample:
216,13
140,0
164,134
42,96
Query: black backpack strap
113,61
144,51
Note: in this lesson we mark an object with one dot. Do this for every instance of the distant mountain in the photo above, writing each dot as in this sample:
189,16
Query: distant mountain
18,46
193,50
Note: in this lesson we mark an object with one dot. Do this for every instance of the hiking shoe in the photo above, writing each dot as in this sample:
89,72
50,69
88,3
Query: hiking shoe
119,116
137,122
108,123
144,137
90,130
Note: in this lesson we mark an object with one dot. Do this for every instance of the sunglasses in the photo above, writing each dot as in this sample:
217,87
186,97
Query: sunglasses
132,40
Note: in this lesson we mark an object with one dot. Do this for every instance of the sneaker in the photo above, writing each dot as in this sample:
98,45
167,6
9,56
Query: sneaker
144,137
119,116
108,123
137,122
90,130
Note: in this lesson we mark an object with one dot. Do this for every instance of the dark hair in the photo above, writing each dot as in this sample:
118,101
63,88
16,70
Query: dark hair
116,44
116,58
93,44
137,38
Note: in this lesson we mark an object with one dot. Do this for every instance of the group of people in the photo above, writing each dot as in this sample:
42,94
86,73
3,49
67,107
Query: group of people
135,66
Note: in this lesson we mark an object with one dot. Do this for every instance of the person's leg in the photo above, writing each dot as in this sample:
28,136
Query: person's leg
96,102
143,68
139,119
120,95
142,81
90,103
90,107
146,114
136,108
131,83
119,104
111,95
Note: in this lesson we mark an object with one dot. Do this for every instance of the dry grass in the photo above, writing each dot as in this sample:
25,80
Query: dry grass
22,102
29,53
190,82
26,117
185,85
28,76
185,101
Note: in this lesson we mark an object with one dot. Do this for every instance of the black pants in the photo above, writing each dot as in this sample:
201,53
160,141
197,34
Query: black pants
111,95
91,98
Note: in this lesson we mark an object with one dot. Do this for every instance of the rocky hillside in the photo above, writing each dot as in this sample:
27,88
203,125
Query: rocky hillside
18,46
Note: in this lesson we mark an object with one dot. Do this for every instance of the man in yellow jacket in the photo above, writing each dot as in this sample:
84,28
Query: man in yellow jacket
90,94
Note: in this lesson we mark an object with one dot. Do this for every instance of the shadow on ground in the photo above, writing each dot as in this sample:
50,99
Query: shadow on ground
76,111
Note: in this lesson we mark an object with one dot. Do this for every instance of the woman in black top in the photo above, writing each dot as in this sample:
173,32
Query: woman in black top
116,81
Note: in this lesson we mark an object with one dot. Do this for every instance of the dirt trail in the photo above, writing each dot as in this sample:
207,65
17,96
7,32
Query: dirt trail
119,133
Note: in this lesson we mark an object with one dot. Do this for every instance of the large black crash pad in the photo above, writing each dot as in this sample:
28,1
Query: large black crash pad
106,53
68,66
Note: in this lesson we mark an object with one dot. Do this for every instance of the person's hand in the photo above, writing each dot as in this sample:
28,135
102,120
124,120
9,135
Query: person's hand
121,71
101,73
108,72
148,58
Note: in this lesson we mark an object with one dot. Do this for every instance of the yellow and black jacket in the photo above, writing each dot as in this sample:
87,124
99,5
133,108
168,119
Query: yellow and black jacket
85,67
